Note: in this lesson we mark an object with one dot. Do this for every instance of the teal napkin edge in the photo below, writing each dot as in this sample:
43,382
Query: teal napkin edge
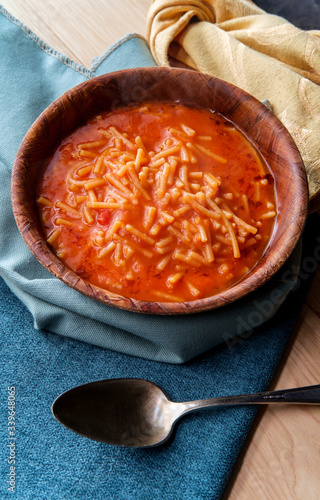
28,53
79,68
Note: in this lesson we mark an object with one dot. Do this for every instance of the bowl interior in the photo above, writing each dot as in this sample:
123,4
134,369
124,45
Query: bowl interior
189,88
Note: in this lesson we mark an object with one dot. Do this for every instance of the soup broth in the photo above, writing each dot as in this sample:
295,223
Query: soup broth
158,203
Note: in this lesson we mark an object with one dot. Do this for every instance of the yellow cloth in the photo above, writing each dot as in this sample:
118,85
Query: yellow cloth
263,54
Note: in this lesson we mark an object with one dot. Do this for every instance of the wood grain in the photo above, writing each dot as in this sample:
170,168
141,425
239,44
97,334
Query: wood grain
81,29
281,456
281,459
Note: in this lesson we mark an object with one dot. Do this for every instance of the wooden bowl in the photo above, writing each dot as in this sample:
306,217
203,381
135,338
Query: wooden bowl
169,85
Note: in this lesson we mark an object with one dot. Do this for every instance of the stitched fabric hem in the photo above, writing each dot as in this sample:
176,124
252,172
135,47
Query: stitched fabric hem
88,72
99,60
45,47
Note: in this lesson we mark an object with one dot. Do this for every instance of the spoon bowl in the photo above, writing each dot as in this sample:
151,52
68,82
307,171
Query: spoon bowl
125,412
136,413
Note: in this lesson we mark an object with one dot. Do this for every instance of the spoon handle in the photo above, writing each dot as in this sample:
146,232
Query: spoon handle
302,395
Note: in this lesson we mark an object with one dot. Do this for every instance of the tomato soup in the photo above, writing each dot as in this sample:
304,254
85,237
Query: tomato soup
158,203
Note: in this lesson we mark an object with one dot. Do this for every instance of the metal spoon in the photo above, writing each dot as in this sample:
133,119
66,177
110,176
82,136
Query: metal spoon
136,413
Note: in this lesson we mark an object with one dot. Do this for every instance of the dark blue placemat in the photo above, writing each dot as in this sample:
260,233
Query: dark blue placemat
54,463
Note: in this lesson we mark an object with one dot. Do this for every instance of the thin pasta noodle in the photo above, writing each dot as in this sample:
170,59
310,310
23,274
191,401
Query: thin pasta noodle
178,234
200,208
195,292
163,179
206,138
167,152
140,155
107,249
44,201
88,217
173,164
149,215
144,177
235,246
202,233
87,154
99,166
92,195
166,217
188,130
245,204
269,215
195,256
167,296
84,171
118,254
200,148
164,250
122,170
135,232
60,221
165,241
174,278
185,158
183,174
240,222
119,185
106,204
53,236
157,163
67,209
91,144
182,210
136,181
196,175
163,263
114,228
186,258
115,132
92,183
135,246
139,142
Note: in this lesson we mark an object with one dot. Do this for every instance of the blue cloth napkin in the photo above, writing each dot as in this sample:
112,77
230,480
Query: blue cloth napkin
40,459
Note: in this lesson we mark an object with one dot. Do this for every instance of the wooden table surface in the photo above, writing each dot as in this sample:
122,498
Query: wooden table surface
281,459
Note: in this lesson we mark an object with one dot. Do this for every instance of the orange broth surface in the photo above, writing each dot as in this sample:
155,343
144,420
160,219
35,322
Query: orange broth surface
158,203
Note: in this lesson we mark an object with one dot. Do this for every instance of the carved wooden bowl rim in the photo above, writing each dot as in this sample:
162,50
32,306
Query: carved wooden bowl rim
167,84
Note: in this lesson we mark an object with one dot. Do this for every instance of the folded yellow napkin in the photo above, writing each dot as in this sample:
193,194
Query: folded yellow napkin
263,54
